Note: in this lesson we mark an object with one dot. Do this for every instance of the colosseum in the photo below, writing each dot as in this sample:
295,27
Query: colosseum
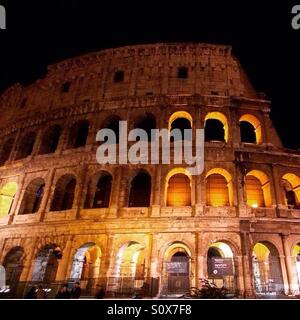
155,229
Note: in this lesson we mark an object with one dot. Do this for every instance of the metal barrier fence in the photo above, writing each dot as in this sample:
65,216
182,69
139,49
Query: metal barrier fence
113,286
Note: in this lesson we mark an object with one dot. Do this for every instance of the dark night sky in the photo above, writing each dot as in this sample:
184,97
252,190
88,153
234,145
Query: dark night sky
43,32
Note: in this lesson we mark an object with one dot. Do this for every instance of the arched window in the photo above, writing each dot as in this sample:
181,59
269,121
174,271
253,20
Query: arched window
7,196
258,190
254,191
33,197
247,132
179,190
217,191
78,134
13,264
216,127
219,188
50,140
148,123
267,270
291,188
250,129
46,264
180,120
99,191
140,191
5,151
64,193
113,124
214,130
25,146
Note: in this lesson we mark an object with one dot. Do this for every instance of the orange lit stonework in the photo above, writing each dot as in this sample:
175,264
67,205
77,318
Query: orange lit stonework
153,228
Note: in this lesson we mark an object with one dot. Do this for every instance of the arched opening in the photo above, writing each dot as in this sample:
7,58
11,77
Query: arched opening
25,146
266,269
6,150
147,123
140,190
46,264
130,268
220,266
180,121
291,189
216,127
258,192
86,266
177,269
178,188
78,134
13,264
99,191
50,140
64,193
7,195
113,124
219,188
296,262
250,129
33,197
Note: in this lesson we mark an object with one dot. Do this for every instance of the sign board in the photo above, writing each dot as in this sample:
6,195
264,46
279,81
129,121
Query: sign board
219,267
177,267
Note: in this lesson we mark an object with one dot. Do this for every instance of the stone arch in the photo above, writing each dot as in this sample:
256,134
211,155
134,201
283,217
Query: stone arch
25,146
220,253
130,260
78,134
46,264
112,123
7,195
291,189
146,122
64,193
217,196
140,190
267,272
178,187
86,265
99,190
13,264
32,197
180,121
50,140
216,131
258,189
256,127
177,268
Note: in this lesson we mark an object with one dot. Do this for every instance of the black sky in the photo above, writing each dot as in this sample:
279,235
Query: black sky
43,32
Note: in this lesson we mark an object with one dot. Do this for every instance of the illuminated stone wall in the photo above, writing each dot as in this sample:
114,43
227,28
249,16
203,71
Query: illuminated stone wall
132,83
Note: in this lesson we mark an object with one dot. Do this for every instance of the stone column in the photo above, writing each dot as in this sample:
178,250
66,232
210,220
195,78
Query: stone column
17,199
292,284
79,192
155,212
63,267
201,259
240,188
278,191
47,198
115,193
247,265
14,147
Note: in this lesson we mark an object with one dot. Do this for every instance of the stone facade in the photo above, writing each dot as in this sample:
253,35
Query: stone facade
130,83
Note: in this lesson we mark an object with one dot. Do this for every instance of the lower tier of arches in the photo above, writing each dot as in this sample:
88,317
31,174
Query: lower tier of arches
154,264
